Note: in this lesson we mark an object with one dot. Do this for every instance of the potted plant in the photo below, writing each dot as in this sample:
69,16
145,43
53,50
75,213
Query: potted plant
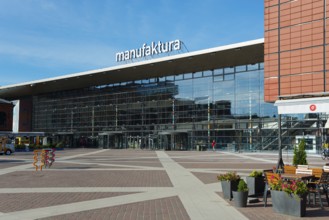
289,197
240,196
300,154
255,182
229,182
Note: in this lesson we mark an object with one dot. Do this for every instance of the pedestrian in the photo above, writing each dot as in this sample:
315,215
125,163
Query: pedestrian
213,144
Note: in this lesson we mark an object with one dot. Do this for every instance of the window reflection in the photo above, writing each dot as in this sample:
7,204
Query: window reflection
173,112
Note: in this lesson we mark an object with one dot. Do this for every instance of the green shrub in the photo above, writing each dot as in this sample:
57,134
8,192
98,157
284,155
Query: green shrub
256,173
20,146
300,154
229,176
242,186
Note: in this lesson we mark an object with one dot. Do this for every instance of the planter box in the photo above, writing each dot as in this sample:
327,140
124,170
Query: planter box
256,185
288,204
228,187
240,198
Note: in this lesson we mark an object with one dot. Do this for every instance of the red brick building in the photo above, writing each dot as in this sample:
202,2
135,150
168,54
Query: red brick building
296,48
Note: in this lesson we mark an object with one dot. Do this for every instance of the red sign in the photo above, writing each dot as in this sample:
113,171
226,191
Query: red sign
312,107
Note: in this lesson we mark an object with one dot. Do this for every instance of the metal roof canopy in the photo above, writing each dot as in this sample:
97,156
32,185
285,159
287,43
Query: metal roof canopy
300,106
248,52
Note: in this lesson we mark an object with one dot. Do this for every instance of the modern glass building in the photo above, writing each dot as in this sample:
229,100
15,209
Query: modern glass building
179,102
178,112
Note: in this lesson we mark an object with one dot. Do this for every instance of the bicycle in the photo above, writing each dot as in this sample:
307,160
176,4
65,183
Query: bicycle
325,154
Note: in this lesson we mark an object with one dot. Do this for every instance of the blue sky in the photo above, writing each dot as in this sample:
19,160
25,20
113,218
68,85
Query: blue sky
47,38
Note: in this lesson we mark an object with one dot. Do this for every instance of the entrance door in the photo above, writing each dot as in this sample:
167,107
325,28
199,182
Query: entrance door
112,141
104,141
181,141
165,142
174,141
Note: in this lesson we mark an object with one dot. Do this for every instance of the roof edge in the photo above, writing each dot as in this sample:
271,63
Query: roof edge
161,59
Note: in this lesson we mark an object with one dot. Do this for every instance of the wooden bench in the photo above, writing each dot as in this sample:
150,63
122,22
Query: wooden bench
289,169
305,167
304,171
326,168
317,172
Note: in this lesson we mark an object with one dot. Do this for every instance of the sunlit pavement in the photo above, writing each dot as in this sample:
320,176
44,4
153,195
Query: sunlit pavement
133,184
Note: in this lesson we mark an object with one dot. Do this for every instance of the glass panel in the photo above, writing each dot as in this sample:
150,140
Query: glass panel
241,68
261,65
153,80
229,77
253,67
218,78
170,78
179,77
188,76
197,74
207,73
218,72
229,70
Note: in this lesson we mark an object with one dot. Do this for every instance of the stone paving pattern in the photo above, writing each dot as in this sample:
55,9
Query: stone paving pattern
159,209
10,202
133,184
88,178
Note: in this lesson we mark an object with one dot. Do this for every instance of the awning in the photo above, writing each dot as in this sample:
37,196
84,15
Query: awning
306,105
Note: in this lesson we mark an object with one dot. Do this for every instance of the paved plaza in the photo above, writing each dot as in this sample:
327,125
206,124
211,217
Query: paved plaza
133,184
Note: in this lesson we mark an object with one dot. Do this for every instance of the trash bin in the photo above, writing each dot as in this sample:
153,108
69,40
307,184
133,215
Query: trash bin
197,147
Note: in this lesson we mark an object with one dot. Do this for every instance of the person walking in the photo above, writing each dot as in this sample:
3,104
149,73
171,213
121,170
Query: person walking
213,144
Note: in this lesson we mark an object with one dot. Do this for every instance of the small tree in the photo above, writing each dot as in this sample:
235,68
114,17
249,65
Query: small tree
300,154
242,186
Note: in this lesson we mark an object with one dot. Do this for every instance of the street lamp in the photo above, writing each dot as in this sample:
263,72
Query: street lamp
250,122
280,163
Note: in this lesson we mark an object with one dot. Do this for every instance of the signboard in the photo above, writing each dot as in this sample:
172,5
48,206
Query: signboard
148,50
300,106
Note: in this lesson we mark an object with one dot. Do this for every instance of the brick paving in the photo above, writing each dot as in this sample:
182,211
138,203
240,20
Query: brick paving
126,184
10,202
240,165
6,164
86,178
159,209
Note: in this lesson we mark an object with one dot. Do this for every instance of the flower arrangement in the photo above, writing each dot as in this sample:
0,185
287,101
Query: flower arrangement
296,187
229,176
256,173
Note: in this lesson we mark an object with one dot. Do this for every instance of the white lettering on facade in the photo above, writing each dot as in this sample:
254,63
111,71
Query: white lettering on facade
147,50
